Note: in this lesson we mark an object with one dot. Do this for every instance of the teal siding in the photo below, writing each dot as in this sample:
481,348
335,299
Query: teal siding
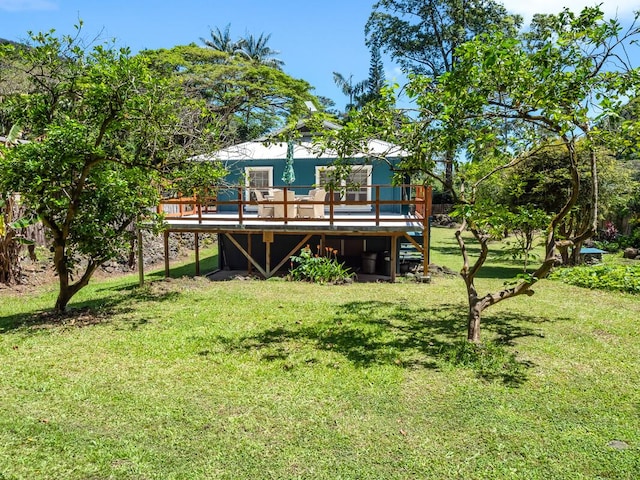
305,170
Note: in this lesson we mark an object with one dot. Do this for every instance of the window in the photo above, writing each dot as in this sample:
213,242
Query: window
260,178
356,187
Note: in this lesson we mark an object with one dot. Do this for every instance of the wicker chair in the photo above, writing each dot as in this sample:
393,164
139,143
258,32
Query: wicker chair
313,210
264,209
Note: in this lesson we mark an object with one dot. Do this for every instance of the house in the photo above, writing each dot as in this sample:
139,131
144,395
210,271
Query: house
284,195
261,165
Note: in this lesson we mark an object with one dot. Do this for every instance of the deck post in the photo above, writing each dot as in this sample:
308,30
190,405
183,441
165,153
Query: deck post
267,265
394,252
196,239
140,259
166,253
426,233
249,251
267,238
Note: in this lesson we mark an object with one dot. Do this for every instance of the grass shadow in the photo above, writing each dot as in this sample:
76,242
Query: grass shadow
393,333
89,312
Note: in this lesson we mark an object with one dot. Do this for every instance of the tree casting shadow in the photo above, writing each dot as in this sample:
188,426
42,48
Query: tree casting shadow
90,312
393,333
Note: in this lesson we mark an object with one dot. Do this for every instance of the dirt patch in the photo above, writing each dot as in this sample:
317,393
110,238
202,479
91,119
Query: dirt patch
78,318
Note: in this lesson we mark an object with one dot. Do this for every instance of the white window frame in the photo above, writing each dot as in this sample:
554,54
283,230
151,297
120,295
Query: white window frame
247,182
353,208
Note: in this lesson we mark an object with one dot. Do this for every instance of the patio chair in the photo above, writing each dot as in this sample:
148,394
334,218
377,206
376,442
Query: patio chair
278,196
313,210
264,209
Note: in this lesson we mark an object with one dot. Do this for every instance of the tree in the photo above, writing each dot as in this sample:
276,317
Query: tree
103,126
364,91
256,49
512,97
250,47
12,223
422,36
220,41
243,99
542,182
350,89
376,79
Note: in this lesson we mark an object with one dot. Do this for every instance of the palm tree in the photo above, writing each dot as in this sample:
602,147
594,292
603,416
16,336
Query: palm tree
256,49
350,89
221,41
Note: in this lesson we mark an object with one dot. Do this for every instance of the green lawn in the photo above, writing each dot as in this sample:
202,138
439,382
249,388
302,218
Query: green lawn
191,379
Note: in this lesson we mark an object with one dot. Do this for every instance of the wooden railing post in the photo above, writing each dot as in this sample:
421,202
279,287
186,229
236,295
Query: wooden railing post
286,209
241,205
377,204
331,207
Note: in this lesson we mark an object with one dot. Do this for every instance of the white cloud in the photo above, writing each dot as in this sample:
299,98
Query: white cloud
393,74
22,5
611,8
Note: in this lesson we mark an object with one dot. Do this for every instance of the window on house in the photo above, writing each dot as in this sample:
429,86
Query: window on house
355,187
257,178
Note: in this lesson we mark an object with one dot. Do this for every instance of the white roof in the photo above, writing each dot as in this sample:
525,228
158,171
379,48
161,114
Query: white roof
278,150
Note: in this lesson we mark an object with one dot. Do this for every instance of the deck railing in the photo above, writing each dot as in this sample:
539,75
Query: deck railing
417,206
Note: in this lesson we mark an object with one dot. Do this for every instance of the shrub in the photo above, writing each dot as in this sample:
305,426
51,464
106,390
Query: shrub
317,267
632,240
610,232
607,246
624,278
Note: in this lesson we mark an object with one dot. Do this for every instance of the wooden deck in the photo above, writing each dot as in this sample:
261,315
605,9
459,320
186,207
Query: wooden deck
213,216
345,222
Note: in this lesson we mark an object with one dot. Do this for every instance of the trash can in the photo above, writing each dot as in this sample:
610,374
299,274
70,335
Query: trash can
369,262
386,263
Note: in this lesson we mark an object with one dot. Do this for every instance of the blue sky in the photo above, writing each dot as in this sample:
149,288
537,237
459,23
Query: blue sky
315,38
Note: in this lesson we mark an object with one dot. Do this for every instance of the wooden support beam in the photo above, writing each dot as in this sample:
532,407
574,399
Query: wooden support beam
267,238
426,231
293,250
247,256
166,253
249,251
267,260
394,257
140,259
419,247
196,239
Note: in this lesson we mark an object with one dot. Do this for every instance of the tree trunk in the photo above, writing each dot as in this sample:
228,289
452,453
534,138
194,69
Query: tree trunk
473,322
64,295
66,289
468,273
448,176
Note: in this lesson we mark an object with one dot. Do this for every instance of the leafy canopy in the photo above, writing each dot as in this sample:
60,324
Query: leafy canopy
244,99
102,128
